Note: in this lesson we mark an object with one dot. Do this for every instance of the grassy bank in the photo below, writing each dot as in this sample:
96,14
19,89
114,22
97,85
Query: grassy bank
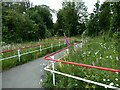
9,63
99,51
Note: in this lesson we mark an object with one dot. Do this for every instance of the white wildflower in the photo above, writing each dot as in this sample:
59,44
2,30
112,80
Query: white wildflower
106,56
104,79
117,85
117,58
96,52
89,52
108,79
116,79
111,84
100,57
24,13
110,57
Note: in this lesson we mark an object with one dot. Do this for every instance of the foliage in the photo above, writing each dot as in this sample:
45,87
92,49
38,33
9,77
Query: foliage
93,23
16,26
104,20
71,19
21,22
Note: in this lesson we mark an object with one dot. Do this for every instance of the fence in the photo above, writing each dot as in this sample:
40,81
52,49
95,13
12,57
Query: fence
19,54
51,58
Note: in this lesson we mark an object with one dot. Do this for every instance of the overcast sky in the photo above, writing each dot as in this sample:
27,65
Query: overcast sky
57,4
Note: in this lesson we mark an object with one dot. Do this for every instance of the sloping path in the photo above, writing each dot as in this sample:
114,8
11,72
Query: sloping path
29,75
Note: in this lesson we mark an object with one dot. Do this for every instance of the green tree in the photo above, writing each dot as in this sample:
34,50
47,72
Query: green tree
17,27
105,17
71,18
90,25
42,16
115,22
93,28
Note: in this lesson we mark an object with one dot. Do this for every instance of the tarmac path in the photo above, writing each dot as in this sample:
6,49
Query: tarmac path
28,75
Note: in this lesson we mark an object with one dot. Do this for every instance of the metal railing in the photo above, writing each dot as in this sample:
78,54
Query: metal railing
19,54
51,58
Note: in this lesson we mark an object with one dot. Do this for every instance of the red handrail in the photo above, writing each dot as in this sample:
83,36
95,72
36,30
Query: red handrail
47,57
4,51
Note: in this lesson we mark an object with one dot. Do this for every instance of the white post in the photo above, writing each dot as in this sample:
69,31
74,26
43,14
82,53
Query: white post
53,66
51,46
40,48
59,43
80,45
67,51
53,69
19,54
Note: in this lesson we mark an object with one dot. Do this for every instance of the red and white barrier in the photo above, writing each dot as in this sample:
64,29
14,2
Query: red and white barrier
48,57
21,54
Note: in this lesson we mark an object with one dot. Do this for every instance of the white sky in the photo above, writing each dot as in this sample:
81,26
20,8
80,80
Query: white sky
57,4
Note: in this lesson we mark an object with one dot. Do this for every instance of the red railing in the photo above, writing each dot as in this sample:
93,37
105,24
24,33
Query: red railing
4,51
47,57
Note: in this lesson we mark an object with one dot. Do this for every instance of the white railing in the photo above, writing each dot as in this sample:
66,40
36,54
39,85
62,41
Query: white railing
77,78
40,49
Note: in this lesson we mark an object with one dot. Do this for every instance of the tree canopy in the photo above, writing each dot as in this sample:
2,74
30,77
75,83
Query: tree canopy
23,22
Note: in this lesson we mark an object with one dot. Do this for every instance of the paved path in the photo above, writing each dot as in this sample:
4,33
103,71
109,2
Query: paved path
28,75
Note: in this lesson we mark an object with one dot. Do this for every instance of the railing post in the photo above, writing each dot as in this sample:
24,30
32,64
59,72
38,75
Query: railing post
67,50
51,46
59,43
40,48
53,69
19,55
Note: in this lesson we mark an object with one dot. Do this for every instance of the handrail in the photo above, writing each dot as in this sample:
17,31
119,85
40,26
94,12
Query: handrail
4,51
21,54
47,57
